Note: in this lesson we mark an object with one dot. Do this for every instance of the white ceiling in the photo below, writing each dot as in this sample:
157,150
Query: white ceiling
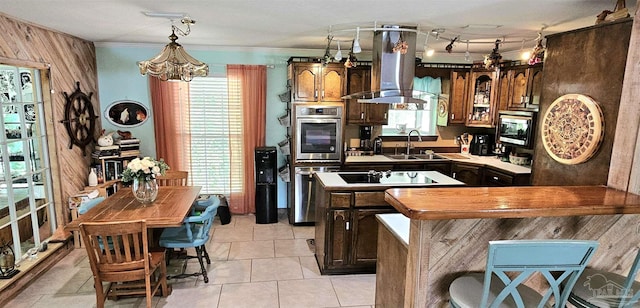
301,24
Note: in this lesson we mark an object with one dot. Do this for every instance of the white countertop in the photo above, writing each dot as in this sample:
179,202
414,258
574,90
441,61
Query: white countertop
398,224
492,161
333,179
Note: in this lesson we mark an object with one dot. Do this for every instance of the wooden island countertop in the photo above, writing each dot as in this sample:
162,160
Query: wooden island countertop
511,202
450,228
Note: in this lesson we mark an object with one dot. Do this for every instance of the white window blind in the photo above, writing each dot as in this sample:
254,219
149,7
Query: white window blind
214,119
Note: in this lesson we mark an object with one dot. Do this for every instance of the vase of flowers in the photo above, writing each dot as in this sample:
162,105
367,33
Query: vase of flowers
142,174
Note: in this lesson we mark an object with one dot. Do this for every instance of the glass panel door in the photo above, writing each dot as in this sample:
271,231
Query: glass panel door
26,201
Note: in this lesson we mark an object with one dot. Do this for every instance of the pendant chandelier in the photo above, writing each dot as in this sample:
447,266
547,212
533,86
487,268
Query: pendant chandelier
174,63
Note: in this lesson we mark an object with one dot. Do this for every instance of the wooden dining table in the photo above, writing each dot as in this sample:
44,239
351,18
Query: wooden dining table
168,210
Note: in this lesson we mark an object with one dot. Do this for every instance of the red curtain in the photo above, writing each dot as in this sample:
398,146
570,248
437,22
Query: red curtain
170,103
247,86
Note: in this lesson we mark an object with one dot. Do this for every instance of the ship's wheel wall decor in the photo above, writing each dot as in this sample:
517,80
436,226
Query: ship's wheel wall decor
572,129
79,119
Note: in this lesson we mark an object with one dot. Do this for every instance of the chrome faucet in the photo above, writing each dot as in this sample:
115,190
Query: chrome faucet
409,139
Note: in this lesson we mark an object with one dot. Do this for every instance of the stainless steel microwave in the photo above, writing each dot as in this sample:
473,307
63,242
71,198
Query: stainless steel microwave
516,128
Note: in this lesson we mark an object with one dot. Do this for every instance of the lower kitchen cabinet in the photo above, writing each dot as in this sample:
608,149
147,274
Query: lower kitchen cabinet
353,235
492,177
467,173
347,237
474,175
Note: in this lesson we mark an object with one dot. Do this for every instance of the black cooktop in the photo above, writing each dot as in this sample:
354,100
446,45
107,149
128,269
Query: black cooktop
387,178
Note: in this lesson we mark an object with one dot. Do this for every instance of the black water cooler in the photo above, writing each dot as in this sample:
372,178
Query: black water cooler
266,185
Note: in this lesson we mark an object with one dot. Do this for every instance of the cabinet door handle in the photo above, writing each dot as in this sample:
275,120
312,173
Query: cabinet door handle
316,94
495,178
322,94
453,175
385,115
453,116
362,115
347,225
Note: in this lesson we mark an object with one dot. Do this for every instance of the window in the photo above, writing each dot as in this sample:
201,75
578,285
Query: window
27,215
216,135
405,117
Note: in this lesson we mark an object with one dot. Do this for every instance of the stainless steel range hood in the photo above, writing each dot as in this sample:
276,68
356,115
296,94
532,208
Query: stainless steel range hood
392,72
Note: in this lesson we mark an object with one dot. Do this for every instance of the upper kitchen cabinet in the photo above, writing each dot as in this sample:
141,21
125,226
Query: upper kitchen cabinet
359,80
482,102
314,82
458,96
454,80
534,86
519,86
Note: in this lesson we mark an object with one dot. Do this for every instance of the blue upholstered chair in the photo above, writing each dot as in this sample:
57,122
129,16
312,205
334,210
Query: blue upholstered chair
509,263
600,289
86,206
194,233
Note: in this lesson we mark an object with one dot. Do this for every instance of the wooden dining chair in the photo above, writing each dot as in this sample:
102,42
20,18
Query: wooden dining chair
599,289
127,264
510,263
173,178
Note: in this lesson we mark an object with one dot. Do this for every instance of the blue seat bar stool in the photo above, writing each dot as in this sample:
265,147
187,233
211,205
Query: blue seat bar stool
194,233
599,289
510,263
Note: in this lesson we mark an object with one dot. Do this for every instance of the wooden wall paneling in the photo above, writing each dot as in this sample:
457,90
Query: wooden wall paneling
623,173
589,61
70,59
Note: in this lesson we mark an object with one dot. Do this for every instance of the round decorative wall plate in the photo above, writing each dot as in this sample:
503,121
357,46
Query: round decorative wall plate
572,129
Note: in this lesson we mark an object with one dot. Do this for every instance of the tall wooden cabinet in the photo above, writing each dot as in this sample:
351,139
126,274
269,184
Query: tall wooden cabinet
315,82
359,80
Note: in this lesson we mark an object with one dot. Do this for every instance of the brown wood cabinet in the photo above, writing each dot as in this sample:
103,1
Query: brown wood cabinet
455,85
482,100
358,80
458,96
314,82
520,87
346,230
475,175
534,86
467,173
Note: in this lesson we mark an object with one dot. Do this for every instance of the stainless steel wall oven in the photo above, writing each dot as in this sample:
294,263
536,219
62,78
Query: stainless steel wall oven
318,133
317,147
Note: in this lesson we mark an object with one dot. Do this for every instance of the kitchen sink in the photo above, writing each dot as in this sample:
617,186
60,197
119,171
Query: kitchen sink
416,157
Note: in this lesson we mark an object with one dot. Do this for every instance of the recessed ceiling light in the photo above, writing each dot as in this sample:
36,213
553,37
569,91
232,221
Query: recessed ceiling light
481,26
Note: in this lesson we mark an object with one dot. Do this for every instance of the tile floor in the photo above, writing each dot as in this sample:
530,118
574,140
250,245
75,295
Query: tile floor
252,265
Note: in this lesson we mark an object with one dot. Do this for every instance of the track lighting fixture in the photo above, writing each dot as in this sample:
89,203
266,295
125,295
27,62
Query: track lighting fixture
338,55
356,43
467,55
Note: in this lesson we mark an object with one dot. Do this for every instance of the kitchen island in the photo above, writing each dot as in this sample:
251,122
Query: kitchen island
346,206
449,231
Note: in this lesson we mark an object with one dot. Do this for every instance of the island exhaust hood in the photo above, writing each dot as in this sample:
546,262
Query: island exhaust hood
393,67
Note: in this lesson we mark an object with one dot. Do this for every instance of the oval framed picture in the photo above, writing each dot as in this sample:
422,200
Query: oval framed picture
127,113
